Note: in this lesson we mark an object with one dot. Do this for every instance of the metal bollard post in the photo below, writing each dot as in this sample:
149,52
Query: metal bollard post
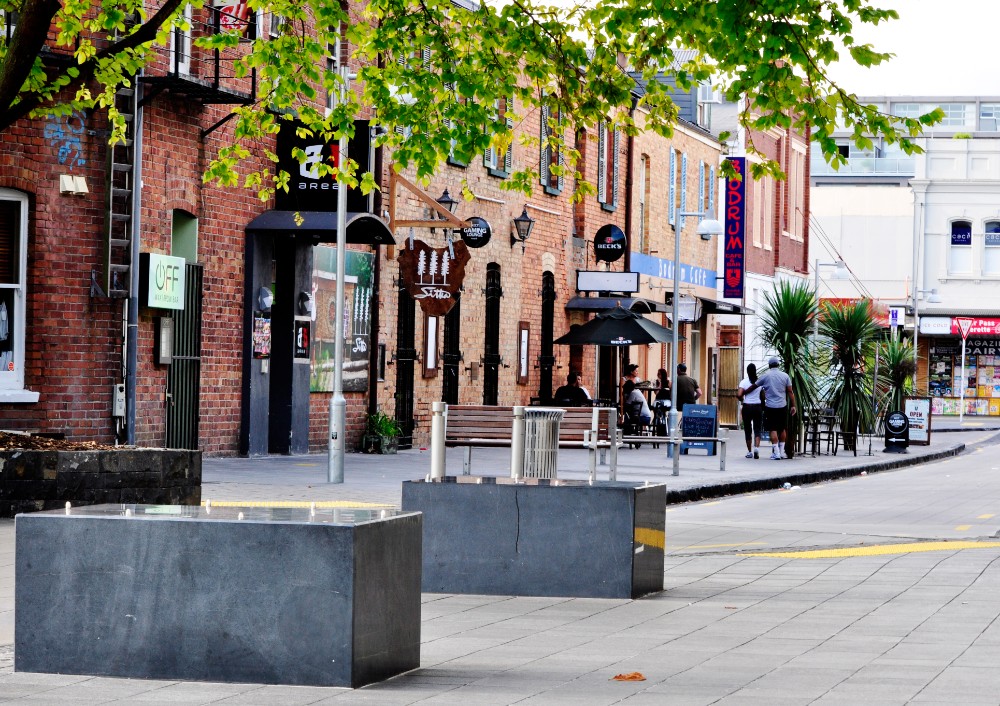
517,444
438,410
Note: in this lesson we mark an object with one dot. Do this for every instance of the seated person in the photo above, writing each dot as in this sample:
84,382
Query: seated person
635,401
571,394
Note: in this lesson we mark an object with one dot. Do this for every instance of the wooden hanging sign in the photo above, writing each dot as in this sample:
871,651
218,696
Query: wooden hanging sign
433,275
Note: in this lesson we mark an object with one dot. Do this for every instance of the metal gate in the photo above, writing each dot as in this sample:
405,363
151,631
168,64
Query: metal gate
546,360
492,359
184,376
405,358
730,374
451,357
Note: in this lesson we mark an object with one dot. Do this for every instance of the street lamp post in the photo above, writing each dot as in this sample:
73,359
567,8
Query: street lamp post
706,228
932,298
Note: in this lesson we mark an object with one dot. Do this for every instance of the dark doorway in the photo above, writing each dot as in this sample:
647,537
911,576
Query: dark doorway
547,361
184,377
491,344
451,358
406,355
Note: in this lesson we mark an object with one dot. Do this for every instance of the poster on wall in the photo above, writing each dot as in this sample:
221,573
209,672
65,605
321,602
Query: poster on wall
357,318
261,335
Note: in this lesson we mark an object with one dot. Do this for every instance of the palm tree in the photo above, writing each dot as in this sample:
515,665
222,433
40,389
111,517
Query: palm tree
896,372
786,326
849,333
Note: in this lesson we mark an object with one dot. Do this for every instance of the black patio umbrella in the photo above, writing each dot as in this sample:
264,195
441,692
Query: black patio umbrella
617,327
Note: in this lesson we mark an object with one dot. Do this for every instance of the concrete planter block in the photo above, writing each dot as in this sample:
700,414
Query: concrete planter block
540,537
187,593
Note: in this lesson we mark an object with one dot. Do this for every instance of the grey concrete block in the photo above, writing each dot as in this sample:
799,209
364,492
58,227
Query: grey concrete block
540,537
182,593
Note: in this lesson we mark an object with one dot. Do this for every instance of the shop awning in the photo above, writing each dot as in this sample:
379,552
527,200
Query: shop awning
636,304
712,306
321,226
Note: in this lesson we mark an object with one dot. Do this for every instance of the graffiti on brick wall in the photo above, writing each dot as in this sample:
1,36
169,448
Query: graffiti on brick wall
64,132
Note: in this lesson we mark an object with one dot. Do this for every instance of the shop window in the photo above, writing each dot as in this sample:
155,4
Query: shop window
960,254
991,250
13,295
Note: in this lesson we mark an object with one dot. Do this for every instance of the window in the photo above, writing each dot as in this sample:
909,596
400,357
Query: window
13,294
757,223
767,213
955,115
960,260
180,43
643,244
551,155
797,192
991,251
500,165
607,166
8,23
906,110
989,117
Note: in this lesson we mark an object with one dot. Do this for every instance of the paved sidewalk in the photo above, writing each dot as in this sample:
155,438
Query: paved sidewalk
376,479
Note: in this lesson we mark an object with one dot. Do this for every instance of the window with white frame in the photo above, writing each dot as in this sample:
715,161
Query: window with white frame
767,213
8,22
955,115
960,252
180,42
989,117
906,110
551,152
500,164
644,183
607,166
991,249
797,187
13,294
757,223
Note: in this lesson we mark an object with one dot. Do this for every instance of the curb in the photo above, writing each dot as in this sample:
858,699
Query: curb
719,490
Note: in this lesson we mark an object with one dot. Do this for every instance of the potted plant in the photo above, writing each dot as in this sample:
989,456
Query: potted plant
381,435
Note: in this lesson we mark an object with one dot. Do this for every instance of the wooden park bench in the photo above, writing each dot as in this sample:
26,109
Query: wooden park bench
592,428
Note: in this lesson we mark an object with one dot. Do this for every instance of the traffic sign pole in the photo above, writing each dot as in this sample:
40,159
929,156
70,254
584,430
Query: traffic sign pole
964,326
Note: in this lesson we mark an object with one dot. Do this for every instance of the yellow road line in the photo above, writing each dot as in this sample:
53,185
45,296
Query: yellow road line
986,517
963,528
879,549
293,503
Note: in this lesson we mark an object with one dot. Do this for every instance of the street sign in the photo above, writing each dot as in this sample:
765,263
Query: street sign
896,315
964,326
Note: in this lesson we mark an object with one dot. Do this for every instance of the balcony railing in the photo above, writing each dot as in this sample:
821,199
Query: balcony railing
873,166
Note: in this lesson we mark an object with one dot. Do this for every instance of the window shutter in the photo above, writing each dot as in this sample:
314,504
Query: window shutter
617,177
683,185
602,169
672,189
425,58
508,158
701,188
546,150
711,190
562,135
10,223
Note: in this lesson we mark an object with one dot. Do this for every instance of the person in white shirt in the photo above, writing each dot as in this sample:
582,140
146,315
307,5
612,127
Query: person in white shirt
753,411
779,404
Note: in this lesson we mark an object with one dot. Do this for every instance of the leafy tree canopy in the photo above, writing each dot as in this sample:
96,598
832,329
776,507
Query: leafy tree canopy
439,69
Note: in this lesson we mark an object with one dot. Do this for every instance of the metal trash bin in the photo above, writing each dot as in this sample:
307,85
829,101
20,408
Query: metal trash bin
541,441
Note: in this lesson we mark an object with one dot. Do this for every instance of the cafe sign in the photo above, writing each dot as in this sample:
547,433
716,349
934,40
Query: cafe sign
433,276
162,281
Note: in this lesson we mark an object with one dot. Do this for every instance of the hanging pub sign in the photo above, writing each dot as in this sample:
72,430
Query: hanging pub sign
433,275
307,189
477,233
734,251
609,243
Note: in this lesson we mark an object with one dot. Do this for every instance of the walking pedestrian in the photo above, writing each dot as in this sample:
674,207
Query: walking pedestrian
688,390
779,403
752,411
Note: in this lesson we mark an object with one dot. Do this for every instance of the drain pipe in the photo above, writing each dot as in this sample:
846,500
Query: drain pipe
132,322
629,165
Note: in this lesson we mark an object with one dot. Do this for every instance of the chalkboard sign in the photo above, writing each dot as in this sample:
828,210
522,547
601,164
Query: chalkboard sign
699,420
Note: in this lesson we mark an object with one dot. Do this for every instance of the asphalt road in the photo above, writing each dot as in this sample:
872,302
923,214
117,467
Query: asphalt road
877,589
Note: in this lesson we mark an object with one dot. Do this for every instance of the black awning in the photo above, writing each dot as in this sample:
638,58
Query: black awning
636,304
711,306
321,226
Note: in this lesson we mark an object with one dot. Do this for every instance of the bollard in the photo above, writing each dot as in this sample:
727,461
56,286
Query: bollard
517,444
438,421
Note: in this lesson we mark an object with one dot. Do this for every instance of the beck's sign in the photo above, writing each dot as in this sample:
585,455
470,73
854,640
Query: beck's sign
733,252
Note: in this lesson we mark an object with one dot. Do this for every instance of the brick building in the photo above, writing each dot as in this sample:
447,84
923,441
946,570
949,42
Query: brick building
239,361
